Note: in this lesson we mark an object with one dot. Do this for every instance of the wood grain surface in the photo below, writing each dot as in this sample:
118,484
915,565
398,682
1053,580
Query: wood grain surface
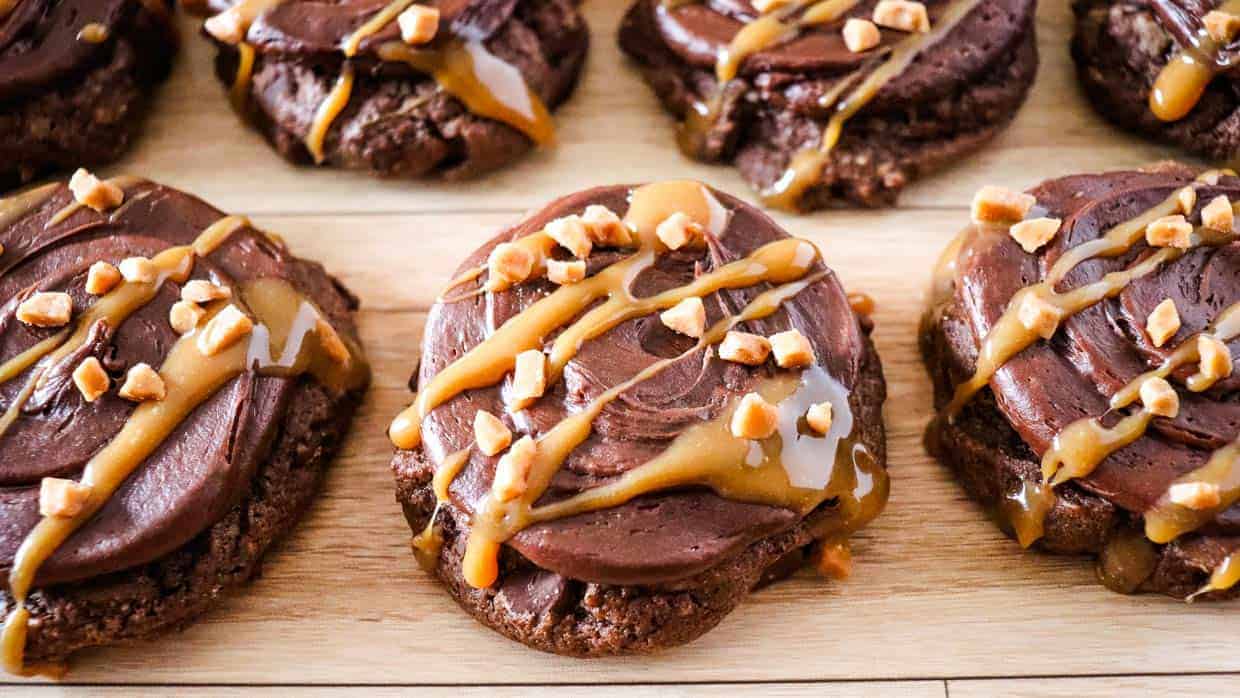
940,602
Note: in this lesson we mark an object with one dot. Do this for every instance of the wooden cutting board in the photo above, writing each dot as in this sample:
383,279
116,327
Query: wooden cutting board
939,602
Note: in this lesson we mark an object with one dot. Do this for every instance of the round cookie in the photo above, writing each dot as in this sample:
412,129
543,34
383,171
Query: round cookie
1102,417
74,78
1152,67
643,509
468,91
173,382
809,121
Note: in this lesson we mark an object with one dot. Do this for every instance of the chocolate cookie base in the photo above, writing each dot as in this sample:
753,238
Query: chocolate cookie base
548,612
1119,50
766,120
991,460
395,126
91,119
170,592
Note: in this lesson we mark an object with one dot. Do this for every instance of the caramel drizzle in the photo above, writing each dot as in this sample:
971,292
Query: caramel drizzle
284,318
16,207
1224,577
807,165
328,110
1167,520
381,19
705,454
1181,83
239,93
123,181
93,33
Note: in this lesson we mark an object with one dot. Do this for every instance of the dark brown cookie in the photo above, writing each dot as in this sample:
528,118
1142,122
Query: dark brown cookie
335,84
641,518
74,79
1123,48
174,382
911,104
1076,440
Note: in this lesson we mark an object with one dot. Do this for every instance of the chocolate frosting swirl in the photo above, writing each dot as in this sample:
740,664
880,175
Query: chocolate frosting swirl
202,469
1098,351
662,536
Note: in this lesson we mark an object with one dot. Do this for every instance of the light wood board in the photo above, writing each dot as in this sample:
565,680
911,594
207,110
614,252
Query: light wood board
937,594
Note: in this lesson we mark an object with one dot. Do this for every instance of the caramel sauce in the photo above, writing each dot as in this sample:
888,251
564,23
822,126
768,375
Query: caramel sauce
284,321
1167,520
17,206
487,86
807,166
93,33
785,470
239,93
1079,447
381,19
1224,577
124,182
1224,328
861,303
1126,561
1181,82
328,110
1024,511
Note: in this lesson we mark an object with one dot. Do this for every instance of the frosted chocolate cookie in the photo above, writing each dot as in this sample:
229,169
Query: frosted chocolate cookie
633,407
173,382
1082,340
74,80
818,101
1164,68
401,89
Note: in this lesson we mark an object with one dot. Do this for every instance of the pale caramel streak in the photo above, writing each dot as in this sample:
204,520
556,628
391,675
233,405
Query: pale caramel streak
1167,520
381,19
1224,577
328,110
123,181
239,93
1180,84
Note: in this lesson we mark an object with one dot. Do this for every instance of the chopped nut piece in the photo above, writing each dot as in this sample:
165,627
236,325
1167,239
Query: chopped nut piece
331,343
62,498
223,330
418,24
1187,199
792,349
1195,495
529,377
491,433
687,317
45,309
143,383
754,418
570,233
744,348
678,230
184,316
819,417
1218,215
90,378
1159,397
765,6
993,204
101,278
1037,315
508,264
95,193
1170,231
228,26
903,15
1034,233
605,227
1221,26
1163,323
513,470
139,270
1215,358
565,272
203,291
860,35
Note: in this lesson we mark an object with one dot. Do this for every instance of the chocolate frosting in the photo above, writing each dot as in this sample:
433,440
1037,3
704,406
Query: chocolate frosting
201,470
39,44
1051,384
662,536
697,31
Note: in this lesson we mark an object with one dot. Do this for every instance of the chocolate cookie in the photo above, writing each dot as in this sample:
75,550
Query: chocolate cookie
74,78
634,406
814,103
451,87
1164,68
173,382
1101,417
